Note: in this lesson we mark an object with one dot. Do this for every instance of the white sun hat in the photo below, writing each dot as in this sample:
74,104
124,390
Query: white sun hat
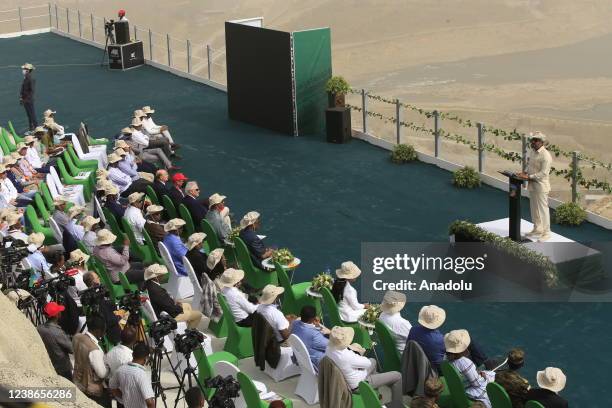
432,317
457,341
214,258
270,293
341,337
551,378
393,302
348,270
155,270
231,277
195,239
105,237
215,199
174,224
249,218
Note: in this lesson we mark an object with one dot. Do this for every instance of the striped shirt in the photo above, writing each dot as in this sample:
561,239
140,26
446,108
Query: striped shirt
475,385
135,385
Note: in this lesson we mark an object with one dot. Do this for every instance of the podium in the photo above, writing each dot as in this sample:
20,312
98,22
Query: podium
125,56
514,204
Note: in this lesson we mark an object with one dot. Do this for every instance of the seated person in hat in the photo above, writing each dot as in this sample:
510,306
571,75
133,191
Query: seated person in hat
432,389
32,156
107,309
309,329
59,215
242,310
144,141
51,114
196,208
73,227
392,304
456,343
218,217
133,215
176,190
114,261
133,158
356,368
216,264
9,193
126,165
152,128
123,181
195,254
209,301
249,225
144,154
26,187
175,245
25,166
14,228
90,226
551,381
112,202
345,294
163,302
56,341
512,381
426,333
77,268
36,258
268,308
154,225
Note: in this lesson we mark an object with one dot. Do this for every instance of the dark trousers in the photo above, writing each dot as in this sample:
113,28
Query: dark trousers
138,186
163,144
104,400
29,108
248,322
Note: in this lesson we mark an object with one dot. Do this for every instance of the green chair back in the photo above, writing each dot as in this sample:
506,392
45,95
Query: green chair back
498,396
140,251
186,216
211,235
36,226
251,395
392,359
254,276
5,149
116,291
238,338
112,223
46,195
455,385
18,139
369,396
152,195
125,283
205,370
69,180
155,257
169,207
9,143
72,167
534,404
91,165
331,307
41,208
83,247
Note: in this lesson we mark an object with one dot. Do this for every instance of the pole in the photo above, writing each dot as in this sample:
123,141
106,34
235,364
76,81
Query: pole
480,147
208,53
150,45
364,110
56,18
50,20
188,56
93,31
135,33
398,125
68,20
20,19
436,116
524,153
168,45
575,159
79,18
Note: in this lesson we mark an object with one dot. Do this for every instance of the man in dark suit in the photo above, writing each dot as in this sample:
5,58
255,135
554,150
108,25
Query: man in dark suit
26,97
248,227
112,204
154,227
551,381
196,208
176,190
161,185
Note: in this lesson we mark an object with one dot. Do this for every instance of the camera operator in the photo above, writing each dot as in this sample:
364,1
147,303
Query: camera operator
14,227
36,258
162,302
194,398
121,15
106,309
77,269
132,382
56,341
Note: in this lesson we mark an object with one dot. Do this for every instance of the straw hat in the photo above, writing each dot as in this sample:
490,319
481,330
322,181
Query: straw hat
147,109
269,294
114,158
29,139
195,239
103,184
88,222
154,209
174,224
348,270
120,152
29,66
138,113
135,197
121,144
432,317
39,129
101,172
2,168
154,271
136,122
9,161
215,199
341,337
75,210
105,237
457,341
537,135
48,113
60,200
393,302
214,258
250,218
12,218
5,212
231,277
35,241
551,378
126,131
21,146
77,256
111,189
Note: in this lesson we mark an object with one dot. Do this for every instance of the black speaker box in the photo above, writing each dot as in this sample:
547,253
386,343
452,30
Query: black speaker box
338,124
122,32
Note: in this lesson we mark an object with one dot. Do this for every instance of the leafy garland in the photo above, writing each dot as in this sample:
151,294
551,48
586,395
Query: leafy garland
466,228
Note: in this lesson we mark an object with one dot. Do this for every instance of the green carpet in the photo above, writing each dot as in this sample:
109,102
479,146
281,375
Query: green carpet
318,199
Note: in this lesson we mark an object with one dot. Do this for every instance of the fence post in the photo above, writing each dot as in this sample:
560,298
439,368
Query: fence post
481,156
79,18
68,20
150,45
168,45
208,53
436,116
364,110
575,159
50,19
524,153
93,31
398,125
56,18
135,33
188,56
20,19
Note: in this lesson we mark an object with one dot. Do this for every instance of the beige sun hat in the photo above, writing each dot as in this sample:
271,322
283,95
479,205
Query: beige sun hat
29,139
101,172
136,122
155,270
174,224
5,212
121,144
12,218
9,161
36,239
431,316
75,210
153,209
269,294
231,277
77,256
103,184
114,158
111,189
120,152
537,135
126,131
88,222
393,302
348,270
147,109
214,258
249,218
138,113
29,66
59,200
341,337
456,341
20,146
215,199
39,129
135,197
48,113
195,239
3,168
551,378
105,237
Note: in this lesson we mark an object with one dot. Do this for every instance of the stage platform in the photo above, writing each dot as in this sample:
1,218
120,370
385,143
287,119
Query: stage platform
501,227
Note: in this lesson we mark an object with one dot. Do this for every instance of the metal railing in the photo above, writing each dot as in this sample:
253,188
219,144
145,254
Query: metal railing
25,18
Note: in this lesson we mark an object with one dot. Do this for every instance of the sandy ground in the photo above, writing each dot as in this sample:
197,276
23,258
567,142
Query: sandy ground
525,64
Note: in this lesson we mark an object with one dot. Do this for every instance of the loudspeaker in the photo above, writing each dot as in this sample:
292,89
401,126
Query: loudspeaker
338,124
122,32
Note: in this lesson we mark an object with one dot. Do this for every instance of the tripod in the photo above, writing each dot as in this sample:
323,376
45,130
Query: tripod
158,352
190,374
110,37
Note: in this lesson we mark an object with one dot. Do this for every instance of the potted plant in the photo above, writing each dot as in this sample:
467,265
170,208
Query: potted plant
322,280
283,256
337,88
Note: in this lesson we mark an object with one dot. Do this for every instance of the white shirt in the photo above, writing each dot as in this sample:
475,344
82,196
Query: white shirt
18,234
399,327
8,190
116,357
89,239
140,138
349,307
237,301
76,230
150,126
38,262
353,366
96,359
33,158
136,220
275,318
121,180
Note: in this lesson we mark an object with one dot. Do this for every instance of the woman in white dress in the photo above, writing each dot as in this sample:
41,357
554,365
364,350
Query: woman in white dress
345,294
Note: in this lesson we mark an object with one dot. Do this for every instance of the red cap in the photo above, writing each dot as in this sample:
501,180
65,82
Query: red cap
121,13
52,309
179,177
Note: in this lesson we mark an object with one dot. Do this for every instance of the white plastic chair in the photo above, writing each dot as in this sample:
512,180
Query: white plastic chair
285,367
98,155
179,287
225,368
57,232
73,192
307,387
197,288
147,310
98,208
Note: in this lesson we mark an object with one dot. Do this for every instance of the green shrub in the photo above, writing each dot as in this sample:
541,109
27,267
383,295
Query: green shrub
403,153
337,85
570,214
466,177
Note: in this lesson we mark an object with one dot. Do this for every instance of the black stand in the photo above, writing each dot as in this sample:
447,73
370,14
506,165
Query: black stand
158,389
190,374
514,205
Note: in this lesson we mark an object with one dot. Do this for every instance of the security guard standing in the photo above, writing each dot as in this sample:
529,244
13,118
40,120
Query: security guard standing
26,97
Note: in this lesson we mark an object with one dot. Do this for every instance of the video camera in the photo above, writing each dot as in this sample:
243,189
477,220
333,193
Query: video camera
12,251
109,26
161,328
131,303
92,297
187,342
226,389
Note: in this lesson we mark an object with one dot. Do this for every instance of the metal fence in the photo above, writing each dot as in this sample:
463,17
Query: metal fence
25,18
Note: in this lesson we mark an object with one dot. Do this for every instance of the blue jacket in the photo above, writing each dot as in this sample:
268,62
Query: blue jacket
254,244
432,343
177,251
313,339
117,209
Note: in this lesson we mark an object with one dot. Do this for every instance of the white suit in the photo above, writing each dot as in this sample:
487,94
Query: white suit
538,169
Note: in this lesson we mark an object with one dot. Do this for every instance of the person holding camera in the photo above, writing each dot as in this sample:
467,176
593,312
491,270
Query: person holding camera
163,302
105,308
36,258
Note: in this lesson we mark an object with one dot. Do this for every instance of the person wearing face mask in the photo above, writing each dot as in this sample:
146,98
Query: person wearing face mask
26,97
218,217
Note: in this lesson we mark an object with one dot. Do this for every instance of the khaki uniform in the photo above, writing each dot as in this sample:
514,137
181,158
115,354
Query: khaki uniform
538,169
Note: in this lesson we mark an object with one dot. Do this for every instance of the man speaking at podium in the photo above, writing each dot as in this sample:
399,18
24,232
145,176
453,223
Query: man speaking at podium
539,162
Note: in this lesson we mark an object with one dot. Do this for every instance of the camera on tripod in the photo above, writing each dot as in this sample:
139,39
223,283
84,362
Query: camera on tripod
92,297
131,303
109,25
161,328
226,389
187,342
